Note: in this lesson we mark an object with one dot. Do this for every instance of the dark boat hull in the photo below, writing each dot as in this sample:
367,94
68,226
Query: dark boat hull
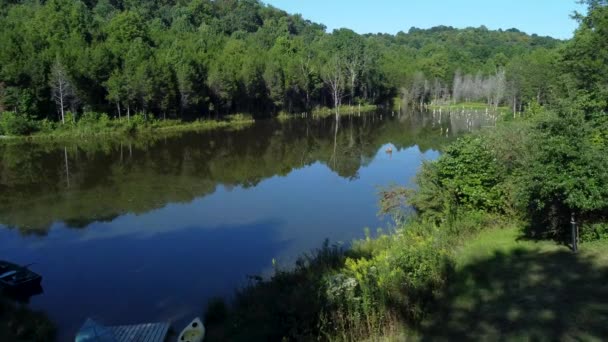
27,284
16,278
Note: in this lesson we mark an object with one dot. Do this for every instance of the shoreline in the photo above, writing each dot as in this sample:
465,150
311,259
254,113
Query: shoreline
145,129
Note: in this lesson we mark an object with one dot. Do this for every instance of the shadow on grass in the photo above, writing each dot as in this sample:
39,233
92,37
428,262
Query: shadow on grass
523,295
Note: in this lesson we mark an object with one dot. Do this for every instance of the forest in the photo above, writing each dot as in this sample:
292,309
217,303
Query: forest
65,60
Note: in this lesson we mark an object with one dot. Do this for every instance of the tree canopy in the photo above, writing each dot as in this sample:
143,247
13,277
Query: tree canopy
202,58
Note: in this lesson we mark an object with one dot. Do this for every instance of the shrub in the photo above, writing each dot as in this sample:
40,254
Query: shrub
16,124
70,120
89,119
138,120
104,120
239,118
594,231
46,126
566,173
385,281
468,176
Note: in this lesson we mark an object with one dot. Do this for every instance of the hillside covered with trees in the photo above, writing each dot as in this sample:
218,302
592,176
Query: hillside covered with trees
203,58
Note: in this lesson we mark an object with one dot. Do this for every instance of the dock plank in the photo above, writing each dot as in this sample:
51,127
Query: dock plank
157,332
147,332
153,332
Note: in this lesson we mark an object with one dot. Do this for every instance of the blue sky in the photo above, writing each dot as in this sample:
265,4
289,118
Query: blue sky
543,17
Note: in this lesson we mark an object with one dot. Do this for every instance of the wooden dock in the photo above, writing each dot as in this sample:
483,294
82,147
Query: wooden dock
92,331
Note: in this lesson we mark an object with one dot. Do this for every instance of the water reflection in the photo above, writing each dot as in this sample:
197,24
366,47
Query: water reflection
84,182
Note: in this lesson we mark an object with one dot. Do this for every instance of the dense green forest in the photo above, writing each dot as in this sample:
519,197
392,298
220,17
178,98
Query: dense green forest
64,59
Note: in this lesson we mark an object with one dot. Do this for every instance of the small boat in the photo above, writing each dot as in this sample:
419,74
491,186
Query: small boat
15,278
389,150
194,332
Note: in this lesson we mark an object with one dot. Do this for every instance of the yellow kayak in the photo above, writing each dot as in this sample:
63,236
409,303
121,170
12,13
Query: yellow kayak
194,332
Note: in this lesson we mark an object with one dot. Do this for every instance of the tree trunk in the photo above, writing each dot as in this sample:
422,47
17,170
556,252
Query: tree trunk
514,106
337,104
574,235
67,166
62,112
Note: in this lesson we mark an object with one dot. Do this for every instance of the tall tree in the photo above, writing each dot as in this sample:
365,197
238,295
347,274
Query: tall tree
62,88
333,75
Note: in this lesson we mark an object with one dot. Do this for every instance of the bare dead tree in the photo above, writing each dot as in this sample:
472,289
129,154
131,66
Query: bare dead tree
333,76
491,88
500,87
353,67
62,88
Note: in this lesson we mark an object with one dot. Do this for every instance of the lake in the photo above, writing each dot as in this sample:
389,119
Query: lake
149,229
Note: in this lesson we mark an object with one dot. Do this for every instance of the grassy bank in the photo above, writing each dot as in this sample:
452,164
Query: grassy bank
507,287
323,112
343,110
379,288
491,283
468,106
14,127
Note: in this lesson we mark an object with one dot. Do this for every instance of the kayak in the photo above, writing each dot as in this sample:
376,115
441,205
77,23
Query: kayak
194,332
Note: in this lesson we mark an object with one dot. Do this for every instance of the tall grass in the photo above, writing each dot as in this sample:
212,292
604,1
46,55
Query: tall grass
94,124
373,290
343,110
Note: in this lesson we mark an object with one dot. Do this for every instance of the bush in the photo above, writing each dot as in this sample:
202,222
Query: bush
594,231
104,120
16,124
89,119
468,176
239,118
70,120
138,120
46,126
384,282
566,173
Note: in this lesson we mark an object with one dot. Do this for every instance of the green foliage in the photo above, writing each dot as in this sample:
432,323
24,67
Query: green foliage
585,58
202,58
468,171
47,126
16,124
368,292
240,118
533,109
466,177
593,231
505,287
566,173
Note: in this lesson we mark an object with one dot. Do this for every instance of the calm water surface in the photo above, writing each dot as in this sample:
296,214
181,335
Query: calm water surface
148,230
